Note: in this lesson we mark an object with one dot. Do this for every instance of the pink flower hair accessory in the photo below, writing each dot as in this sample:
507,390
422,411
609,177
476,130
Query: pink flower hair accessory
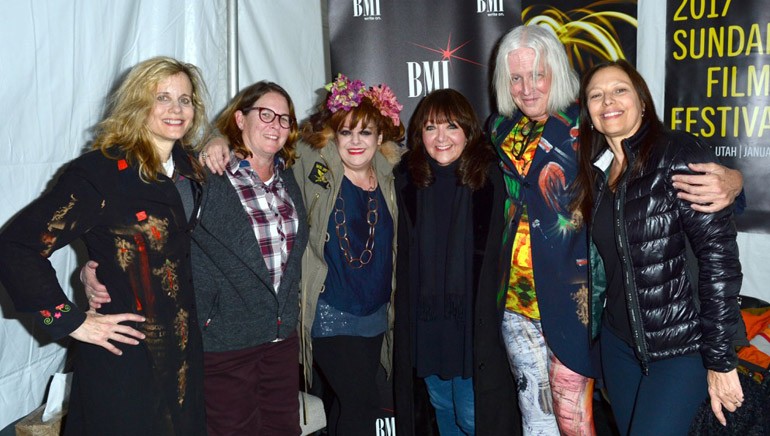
344,93
385,100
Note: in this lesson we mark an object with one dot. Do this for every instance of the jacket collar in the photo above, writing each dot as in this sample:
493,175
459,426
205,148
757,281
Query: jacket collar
604,160
631,145
182,161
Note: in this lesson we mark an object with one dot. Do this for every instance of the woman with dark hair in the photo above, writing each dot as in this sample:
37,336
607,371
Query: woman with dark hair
138,365
246,256
447,189
664,277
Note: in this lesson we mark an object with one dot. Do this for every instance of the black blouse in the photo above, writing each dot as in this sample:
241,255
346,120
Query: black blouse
615,315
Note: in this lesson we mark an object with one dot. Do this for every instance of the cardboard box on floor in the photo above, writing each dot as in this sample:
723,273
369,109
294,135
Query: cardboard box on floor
33,425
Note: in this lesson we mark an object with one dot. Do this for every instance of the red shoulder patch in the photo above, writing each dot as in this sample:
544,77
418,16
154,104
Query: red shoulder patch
122,164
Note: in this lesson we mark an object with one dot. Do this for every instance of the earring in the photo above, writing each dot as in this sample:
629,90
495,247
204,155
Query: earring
592,126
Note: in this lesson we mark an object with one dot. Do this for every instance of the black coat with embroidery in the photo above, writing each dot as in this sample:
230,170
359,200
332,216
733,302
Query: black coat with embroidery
139,234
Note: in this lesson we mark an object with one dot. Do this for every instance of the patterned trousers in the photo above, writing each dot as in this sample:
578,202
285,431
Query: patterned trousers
552,398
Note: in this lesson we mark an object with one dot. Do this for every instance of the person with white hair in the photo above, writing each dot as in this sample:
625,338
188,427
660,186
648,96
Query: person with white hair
540,308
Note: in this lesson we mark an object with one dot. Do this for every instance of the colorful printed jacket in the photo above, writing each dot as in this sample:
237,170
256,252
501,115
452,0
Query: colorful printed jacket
559,246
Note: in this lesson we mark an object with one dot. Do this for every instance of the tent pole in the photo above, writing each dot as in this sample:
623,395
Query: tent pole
232,48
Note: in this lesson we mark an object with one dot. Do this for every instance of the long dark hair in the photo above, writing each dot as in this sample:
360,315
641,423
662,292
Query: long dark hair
441,106
244,100
592,142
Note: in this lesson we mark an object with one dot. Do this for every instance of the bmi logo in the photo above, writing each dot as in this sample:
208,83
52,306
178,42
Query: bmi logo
427,76
368,9
493,8
385,426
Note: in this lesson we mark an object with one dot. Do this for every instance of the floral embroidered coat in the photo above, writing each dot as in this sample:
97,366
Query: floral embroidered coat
139,234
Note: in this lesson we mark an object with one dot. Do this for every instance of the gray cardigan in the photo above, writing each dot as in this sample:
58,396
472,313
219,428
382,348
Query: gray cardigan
233,289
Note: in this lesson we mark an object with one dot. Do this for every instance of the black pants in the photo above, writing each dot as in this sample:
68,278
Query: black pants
350,364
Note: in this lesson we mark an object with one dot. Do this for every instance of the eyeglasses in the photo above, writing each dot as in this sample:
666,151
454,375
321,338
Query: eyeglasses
267,116
526,134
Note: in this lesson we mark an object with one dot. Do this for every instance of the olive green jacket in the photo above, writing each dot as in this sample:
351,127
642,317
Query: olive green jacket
319,172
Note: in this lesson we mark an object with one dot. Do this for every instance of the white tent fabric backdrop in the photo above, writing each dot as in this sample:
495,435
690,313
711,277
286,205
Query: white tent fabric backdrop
60,59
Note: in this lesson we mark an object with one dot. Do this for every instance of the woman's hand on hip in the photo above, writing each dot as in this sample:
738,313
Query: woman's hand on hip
725,391
100,329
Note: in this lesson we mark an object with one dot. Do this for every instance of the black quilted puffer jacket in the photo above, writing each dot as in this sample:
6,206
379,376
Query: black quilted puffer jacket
675,307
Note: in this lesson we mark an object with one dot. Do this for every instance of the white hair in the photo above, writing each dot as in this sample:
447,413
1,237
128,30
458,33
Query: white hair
564,80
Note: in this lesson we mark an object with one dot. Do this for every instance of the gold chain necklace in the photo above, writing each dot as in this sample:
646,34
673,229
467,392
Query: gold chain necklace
341,227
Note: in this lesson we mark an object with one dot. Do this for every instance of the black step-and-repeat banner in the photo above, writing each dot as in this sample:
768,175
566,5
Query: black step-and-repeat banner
418,46
718,87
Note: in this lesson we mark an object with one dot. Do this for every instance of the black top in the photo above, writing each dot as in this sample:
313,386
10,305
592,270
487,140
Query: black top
495,402
440,344
616,312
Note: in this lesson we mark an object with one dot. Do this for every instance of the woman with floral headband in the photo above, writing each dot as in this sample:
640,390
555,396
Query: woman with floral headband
344,167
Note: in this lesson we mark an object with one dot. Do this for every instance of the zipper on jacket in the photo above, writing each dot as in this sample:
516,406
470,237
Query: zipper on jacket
634,311
310,210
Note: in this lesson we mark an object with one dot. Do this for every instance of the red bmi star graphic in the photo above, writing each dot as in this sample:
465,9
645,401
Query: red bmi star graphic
448,53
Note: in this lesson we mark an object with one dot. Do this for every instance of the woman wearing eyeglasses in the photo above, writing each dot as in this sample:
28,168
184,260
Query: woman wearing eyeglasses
246,266
250,241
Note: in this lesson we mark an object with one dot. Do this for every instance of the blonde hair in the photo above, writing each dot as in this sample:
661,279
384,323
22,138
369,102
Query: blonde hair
126,125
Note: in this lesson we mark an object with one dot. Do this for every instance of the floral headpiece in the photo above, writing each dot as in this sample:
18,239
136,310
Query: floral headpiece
347,95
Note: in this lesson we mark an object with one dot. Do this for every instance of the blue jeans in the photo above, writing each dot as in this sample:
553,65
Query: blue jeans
453,401
661,403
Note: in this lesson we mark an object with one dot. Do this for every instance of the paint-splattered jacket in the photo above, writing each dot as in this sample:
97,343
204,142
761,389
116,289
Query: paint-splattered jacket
139,234
559,247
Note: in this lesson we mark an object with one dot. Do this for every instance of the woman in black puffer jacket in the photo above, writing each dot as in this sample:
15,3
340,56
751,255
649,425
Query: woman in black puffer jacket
666,319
